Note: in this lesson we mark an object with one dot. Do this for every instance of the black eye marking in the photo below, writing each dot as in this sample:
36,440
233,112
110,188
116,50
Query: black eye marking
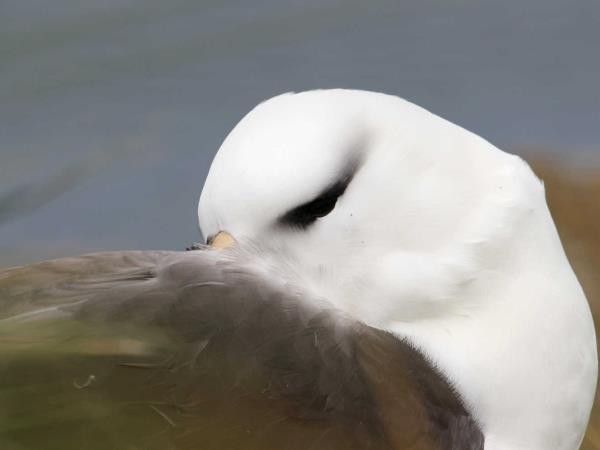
306,214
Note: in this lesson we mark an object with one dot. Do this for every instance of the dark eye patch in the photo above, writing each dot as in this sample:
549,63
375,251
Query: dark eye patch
306,214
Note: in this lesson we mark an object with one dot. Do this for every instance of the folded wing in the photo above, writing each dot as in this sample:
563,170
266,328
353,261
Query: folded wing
170,350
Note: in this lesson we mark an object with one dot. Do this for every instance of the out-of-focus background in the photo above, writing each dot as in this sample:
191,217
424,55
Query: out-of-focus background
111,111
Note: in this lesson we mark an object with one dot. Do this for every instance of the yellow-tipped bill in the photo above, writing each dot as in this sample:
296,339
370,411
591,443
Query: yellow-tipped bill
221,240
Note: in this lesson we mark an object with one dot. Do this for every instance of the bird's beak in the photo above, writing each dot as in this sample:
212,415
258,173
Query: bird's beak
221,240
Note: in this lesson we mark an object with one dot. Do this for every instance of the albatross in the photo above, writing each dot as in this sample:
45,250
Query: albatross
373,276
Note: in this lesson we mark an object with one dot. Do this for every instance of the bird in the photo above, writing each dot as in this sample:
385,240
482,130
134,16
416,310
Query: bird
373,276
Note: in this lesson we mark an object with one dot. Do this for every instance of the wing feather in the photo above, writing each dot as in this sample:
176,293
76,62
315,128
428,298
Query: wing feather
159,350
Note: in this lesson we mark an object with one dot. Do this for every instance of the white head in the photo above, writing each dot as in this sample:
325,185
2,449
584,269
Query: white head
414,225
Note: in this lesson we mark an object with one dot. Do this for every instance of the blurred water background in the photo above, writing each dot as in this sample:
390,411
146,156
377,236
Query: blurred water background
111,111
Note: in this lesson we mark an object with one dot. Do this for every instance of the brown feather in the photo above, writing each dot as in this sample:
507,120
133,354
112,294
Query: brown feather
190,350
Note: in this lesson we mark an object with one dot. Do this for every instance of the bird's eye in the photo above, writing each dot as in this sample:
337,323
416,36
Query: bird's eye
306,214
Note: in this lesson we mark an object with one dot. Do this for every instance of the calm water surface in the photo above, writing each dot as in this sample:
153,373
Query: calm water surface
110,111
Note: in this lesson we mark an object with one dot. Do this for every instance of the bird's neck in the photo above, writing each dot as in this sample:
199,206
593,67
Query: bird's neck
521,348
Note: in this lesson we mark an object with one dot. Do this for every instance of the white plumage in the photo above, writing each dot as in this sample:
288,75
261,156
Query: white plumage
440,237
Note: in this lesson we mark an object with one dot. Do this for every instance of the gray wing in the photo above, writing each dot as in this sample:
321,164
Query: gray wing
169,350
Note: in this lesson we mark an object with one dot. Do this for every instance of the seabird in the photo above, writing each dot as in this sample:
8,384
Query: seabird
374,276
